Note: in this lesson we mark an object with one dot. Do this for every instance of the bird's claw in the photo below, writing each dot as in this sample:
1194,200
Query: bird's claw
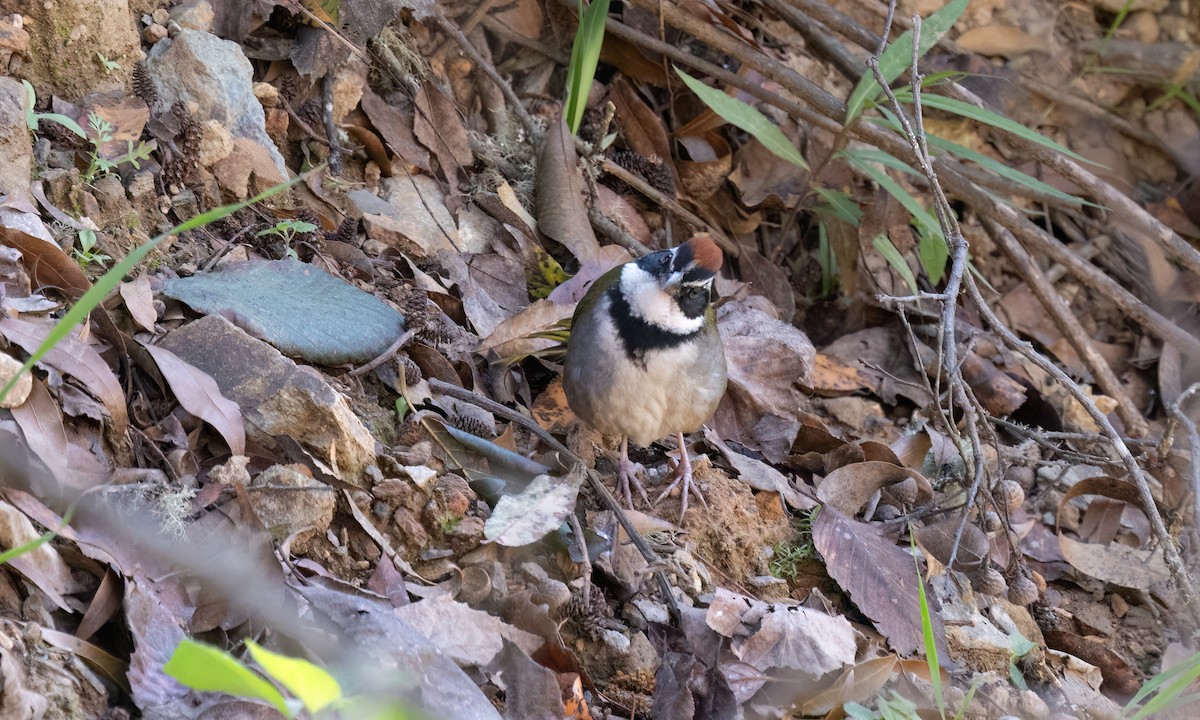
682,474
627,477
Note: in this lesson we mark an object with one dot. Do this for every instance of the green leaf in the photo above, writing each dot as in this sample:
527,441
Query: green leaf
841,205
1005,171
931,651
862,159
30,546
311,684
933,252
1168,687
883,244
996,120
747,117
585,55
898,56
208,669
109,281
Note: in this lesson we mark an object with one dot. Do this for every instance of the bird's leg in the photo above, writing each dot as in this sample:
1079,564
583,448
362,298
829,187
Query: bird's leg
627,476
683,475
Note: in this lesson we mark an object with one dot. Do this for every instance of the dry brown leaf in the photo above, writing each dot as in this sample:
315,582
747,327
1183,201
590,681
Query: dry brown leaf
438,126
198,393
641,128
373,146
139,301
466,635
561,215
708,167
999,41
42,566
48,265
769,362
1111,561
938,540
848,488
396,127
834,378
778,635
510,338
550,409
77,359
762,177
857,683
880,577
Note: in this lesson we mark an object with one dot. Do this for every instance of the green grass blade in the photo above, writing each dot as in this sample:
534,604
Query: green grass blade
585,55
747,117
1005,171
103,286
897,58
996,120
864,160
884,246
841,205
1180,678
931,651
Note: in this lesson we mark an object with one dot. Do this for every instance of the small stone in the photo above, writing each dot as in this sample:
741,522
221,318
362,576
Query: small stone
19,393
173,29
153,33
267,94
216,143
194,15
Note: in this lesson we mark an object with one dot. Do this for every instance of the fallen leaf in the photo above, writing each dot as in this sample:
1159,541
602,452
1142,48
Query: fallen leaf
139,300
465,635
76,358
198,393
770,363
561,215
537,510
999,41
880,577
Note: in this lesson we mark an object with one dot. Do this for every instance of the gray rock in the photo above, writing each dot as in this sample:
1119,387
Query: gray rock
277,397
202,68
16,153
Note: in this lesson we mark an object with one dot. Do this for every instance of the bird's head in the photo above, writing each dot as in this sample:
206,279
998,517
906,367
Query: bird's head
672,289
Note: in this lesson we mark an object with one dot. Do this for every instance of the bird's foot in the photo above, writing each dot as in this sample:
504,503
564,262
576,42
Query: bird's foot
627,477
682,475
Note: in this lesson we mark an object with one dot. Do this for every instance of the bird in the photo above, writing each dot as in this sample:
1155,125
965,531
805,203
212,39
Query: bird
644,356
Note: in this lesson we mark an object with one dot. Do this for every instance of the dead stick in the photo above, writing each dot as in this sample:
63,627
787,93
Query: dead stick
1069,325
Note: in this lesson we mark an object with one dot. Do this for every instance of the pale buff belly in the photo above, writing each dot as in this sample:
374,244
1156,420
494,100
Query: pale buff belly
675,391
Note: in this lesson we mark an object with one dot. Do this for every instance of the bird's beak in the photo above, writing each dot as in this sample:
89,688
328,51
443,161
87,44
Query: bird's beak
673,281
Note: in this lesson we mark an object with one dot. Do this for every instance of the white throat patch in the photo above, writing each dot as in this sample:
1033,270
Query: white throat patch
648,301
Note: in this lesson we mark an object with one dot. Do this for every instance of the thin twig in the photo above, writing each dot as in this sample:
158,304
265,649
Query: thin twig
386,354
488,69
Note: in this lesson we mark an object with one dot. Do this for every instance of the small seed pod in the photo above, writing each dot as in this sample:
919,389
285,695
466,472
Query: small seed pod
989,582
992,521
1022,590
1012,493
